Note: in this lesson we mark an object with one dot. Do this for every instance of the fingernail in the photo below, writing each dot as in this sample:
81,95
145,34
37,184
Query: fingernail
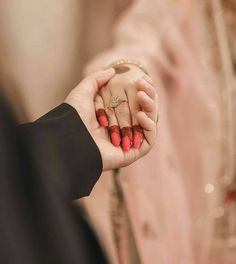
138,136
114,132
103,121
126,143
115,139
138,139
102,118
127,131
131,138
127,138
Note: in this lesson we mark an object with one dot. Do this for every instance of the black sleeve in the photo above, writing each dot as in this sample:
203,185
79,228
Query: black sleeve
44,165
64,151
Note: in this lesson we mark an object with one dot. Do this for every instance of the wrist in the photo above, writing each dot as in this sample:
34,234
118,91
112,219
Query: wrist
133,64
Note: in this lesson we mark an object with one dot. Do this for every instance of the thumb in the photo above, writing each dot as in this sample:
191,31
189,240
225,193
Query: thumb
93,82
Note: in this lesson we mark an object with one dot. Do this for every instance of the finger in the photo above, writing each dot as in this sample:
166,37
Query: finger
138,136
144,85
113,130
100,111
102,77
148,105
124,120
148,79
134,108
149,127
96,80
127,138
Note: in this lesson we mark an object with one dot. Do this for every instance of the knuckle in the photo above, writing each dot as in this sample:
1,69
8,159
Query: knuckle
150,105
152,89
120,81
147,106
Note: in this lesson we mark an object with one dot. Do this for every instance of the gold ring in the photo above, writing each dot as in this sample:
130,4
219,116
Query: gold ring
116,101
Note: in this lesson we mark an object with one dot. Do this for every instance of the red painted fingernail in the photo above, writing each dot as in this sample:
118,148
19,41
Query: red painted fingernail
103,121
114,133
102,118
131,139
137,141
127,131
138,136
127,138
126,143
115,139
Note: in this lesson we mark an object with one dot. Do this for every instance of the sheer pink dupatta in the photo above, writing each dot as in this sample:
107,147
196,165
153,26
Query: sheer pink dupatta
168,210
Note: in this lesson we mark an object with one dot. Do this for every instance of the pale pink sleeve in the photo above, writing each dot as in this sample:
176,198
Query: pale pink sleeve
136,35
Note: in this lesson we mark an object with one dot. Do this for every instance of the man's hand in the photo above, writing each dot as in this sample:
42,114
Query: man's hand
82,99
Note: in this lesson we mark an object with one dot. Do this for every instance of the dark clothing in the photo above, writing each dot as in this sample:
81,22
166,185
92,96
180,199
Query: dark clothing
44,166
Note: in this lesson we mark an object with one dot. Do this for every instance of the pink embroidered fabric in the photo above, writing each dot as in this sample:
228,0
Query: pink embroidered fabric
169,212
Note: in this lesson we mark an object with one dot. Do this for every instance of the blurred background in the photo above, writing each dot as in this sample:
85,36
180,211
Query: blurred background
178,204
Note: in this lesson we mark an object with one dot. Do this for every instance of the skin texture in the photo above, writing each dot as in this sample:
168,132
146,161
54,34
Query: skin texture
124,116
81,98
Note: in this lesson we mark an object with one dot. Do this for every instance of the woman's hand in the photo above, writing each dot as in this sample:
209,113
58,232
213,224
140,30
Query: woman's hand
82,99
122,121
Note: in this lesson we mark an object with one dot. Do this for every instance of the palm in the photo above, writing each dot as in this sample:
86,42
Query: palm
117,156
81,99
100,135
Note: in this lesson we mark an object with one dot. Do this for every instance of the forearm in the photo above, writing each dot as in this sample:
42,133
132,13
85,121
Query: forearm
63,151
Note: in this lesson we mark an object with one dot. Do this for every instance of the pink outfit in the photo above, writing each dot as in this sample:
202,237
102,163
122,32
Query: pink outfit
168,211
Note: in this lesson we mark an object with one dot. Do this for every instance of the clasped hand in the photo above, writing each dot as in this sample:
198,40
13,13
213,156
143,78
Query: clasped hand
120,110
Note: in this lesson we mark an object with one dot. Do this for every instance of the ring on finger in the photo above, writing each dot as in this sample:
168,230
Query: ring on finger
115,101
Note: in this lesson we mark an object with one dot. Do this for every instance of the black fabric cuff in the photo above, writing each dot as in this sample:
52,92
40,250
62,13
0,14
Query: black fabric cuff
67,153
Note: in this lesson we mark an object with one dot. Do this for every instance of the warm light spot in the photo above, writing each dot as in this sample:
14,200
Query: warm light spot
209,188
